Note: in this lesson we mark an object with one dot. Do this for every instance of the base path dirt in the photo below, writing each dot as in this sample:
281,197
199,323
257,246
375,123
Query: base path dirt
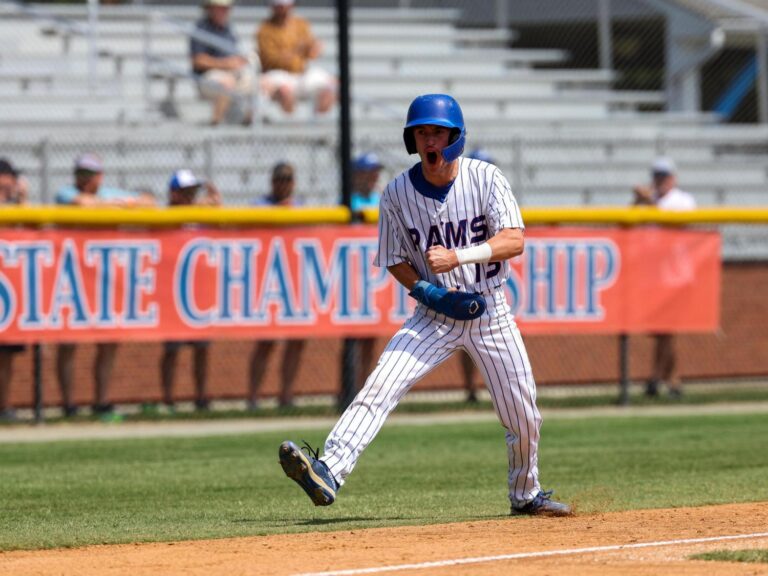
642,542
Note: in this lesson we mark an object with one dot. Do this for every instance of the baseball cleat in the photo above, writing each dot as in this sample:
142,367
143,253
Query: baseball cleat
542,505
308,472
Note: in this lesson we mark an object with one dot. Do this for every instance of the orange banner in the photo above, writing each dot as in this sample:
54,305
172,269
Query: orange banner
102,285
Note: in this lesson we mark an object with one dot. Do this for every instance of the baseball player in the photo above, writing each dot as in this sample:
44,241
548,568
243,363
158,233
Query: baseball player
447,227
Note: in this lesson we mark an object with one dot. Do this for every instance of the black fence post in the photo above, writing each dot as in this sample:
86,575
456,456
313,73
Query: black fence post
37,375
350,364
624,369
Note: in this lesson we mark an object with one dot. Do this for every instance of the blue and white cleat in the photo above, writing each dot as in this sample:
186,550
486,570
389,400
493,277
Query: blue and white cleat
543,505
308,472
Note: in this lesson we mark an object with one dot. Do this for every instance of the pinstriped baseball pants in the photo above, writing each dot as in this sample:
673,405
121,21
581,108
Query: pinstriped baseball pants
427,339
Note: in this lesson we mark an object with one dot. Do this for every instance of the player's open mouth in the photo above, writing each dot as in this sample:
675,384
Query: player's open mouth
432,158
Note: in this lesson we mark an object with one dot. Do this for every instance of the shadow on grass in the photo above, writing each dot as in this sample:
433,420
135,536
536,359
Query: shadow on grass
313,521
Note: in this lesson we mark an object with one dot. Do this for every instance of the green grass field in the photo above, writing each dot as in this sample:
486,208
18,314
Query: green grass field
749,556
75,493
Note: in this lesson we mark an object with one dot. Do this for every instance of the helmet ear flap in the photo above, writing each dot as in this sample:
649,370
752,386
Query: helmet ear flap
410,141
456,147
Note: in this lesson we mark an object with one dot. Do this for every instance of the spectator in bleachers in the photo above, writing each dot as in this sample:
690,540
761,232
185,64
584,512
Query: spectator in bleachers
11,192
183,190
283,186
366,170
286,46
88,188
664,194
14,188
89,191
223,73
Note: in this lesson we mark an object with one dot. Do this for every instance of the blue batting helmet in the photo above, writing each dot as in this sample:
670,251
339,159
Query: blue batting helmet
437,110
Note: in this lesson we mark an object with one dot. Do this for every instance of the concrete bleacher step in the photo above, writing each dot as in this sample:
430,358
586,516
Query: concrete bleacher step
376,61
327,30
597,195
254,14
615,174
564,152
562,78
132,46
366,87
42,110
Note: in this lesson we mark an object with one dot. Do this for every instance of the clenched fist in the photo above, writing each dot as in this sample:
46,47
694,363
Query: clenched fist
440,259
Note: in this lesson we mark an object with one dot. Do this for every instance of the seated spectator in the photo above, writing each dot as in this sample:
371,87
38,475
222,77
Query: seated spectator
89,191
183,190
222,71
184,187
14,188
283,184
88,188
11,192
286,46
366,170
282,187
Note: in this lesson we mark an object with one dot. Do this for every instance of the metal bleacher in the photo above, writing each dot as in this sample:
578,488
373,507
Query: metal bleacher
563,136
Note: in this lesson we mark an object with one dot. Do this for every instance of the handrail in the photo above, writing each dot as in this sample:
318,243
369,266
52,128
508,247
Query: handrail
304,215
69,26
176,216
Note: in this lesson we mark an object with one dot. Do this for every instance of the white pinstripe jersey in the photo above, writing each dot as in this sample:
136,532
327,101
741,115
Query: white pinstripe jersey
479,204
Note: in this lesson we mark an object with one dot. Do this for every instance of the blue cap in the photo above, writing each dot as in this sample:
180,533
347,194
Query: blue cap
482,154
367,161
184,179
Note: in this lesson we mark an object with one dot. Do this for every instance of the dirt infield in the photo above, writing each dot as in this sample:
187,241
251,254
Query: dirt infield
629,543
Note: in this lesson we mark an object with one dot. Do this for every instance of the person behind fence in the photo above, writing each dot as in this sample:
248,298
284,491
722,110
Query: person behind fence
224,75
88,190
14,187
286,46
12,191
366,171
183,190
664,193
283,185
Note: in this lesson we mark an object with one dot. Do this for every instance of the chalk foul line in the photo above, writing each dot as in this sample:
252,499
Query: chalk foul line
542,554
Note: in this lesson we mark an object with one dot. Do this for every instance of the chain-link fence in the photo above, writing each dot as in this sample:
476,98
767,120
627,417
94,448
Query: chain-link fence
572,99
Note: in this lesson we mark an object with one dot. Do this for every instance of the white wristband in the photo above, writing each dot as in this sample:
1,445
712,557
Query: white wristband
475,254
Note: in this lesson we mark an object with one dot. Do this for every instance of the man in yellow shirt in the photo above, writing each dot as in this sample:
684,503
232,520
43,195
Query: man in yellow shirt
286,46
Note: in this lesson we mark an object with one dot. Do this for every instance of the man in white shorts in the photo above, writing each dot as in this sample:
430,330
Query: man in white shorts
222,72
286,46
